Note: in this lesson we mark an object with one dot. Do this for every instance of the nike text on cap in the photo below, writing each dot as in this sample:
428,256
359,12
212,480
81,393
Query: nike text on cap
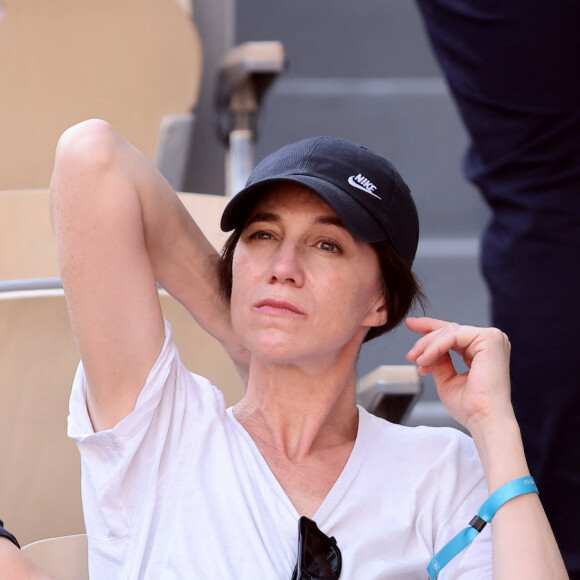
363,188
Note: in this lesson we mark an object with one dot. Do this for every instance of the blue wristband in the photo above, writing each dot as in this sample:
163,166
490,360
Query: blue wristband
487,510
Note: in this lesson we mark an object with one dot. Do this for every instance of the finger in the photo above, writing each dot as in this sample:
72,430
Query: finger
420,345
450,337
430,328
442,370
424,325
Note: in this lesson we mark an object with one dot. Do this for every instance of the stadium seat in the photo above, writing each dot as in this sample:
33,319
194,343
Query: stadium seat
131,63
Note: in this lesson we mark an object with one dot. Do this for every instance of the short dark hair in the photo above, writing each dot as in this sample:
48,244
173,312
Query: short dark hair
401,289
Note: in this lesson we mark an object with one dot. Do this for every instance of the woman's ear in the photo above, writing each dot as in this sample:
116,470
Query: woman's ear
382,313
377,315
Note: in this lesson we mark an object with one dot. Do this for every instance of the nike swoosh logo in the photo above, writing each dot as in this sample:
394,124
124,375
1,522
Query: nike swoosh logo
359,186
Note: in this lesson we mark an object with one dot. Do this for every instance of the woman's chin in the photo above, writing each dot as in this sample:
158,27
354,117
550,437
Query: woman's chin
278,348
278,354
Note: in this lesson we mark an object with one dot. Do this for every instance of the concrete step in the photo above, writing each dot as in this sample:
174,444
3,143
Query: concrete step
367,38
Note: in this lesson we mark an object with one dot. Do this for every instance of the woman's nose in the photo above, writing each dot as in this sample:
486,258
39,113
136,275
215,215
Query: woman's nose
287,265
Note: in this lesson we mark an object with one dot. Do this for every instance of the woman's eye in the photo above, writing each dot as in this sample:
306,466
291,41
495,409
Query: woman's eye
328,246
260,235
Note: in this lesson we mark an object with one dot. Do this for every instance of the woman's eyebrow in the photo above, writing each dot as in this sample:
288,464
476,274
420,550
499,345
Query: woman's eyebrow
263,217
272,217
331,221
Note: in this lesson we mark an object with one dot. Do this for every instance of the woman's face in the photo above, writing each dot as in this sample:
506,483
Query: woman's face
303,286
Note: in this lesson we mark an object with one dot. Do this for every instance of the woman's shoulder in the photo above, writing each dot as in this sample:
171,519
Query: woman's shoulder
423,443
438,464
170,391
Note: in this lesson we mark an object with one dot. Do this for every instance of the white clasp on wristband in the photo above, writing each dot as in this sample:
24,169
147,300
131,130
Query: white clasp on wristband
484,515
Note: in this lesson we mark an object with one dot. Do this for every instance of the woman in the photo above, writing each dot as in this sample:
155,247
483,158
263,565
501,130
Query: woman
175,485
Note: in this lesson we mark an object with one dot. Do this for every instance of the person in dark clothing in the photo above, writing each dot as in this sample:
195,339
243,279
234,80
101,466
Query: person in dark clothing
512,68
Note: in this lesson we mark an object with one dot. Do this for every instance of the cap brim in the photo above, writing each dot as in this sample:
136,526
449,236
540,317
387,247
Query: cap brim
352,214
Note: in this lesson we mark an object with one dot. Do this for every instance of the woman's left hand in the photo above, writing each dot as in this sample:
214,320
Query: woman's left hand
480,393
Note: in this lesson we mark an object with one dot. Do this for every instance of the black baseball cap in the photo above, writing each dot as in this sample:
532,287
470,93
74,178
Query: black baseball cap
363,188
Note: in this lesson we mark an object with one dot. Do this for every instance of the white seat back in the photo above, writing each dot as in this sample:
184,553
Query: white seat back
131,63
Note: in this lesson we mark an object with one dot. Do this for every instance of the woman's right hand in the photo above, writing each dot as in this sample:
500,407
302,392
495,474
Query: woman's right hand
479,396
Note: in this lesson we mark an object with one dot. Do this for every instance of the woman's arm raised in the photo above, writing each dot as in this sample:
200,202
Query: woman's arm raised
523,543
119,228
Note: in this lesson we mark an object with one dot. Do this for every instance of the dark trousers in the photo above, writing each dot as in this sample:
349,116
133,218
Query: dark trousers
513,69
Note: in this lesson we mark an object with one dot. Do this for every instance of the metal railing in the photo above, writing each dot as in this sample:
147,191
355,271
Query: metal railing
26,284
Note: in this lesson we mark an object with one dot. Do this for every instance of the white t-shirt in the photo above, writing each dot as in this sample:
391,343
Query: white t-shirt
178,489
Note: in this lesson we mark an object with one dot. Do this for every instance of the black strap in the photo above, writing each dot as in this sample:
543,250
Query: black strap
6,534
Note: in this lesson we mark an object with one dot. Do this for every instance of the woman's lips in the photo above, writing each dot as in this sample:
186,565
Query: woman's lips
280,307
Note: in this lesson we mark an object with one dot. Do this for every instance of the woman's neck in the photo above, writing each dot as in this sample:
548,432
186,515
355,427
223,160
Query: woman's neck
296,410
